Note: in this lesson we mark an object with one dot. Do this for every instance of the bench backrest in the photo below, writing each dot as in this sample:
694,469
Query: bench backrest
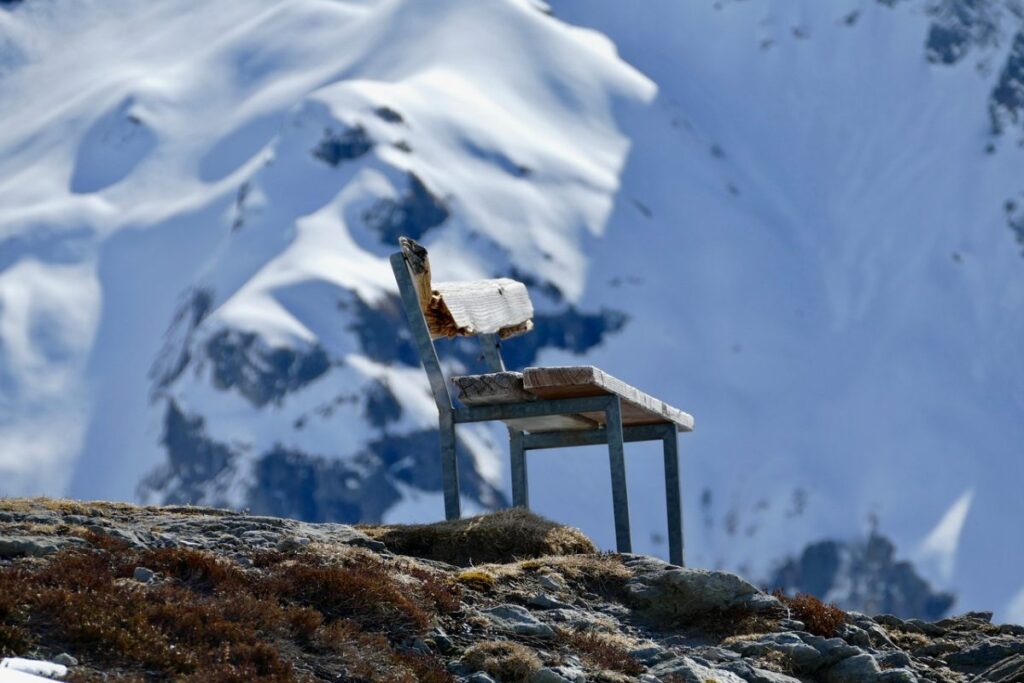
489,309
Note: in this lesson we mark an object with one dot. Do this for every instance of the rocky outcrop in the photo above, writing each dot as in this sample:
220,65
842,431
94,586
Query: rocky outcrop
862,575
332,602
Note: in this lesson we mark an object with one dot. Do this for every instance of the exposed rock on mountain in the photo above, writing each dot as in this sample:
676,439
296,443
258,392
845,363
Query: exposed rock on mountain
117,592
862,575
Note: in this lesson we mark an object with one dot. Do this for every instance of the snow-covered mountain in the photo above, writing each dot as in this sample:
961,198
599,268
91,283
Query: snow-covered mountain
794,219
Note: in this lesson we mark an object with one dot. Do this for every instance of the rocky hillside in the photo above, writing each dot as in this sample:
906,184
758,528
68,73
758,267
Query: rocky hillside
116,592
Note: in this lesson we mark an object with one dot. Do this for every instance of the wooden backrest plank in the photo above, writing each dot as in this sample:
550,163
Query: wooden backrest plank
501,306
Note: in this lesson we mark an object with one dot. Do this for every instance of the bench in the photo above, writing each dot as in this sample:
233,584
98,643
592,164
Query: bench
553,407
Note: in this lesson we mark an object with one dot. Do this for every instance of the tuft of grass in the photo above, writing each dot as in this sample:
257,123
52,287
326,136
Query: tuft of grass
500,537
819,618
604,651
477,579
507,661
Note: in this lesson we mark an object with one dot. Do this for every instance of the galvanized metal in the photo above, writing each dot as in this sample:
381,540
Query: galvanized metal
617,463
673,498
490,344
421,333
511,411
520,482
593,437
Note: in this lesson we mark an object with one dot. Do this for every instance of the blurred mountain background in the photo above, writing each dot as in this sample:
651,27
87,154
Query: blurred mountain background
802,222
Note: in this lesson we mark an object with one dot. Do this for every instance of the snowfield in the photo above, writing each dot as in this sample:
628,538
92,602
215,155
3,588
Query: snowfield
787,218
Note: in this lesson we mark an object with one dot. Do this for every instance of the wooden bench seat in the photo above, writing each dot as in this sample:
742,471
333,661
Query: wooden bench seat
532,384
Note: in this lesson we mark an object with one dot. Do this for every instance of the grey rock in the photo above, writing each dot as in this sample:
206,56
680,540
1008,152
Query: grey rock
516,619
458,667
649,655
1012,629
479,677
292,543
1009,670
984,654
143,574
807,657
547,675
927,627
896,676
442,642
716,654
129,536
559,674
792,625
32,546
545,601
855,635
64,659
860,668
690,671
551,583
752,674
894,659
674,592
832,649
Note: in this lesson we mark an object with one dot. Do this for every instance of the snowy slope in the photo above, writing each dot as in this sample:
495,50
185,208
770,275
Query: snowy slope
831,278
799,209
196,224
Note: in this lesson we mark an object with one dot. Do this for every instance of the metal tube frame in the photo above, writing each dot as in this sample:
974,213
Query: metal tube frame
612,433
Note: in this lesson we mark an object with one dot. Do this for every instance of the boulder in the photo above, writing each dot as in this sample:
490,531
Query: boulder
860,668
516,619
689,671
663,590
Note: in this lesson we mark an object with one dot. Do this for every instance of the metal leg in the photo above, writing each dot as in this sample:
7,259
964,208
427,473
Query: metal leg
449,468
520,485
620,502
673,497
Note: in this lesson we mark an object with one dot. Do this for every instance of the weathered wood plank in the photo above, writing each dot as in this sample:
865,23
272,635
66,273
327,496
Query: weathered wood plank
507,387
585,380
500,306
492,388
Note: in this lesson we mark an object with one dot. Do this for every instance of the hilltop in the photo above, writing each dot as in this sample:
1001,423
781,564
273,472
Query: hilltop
126,593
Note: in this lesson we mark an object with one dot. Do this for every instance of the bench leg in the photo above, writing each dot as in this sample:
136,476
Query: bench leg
449,468
520,486
673,497
620,502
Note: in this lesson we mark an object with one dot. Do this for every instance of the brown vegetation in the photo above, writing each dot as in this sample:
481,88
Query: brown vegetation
503,536
819,618
604,651
507,661
206,618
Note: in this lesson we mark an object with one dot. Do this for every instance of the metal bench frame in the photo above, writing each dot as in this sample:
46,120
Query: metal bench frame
613,434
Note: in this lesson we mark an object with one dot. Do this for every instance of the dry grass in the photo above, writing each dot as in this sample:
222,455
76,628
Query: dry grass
477,579
507,661
99,508
500,537
296,618
819,618
603,651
